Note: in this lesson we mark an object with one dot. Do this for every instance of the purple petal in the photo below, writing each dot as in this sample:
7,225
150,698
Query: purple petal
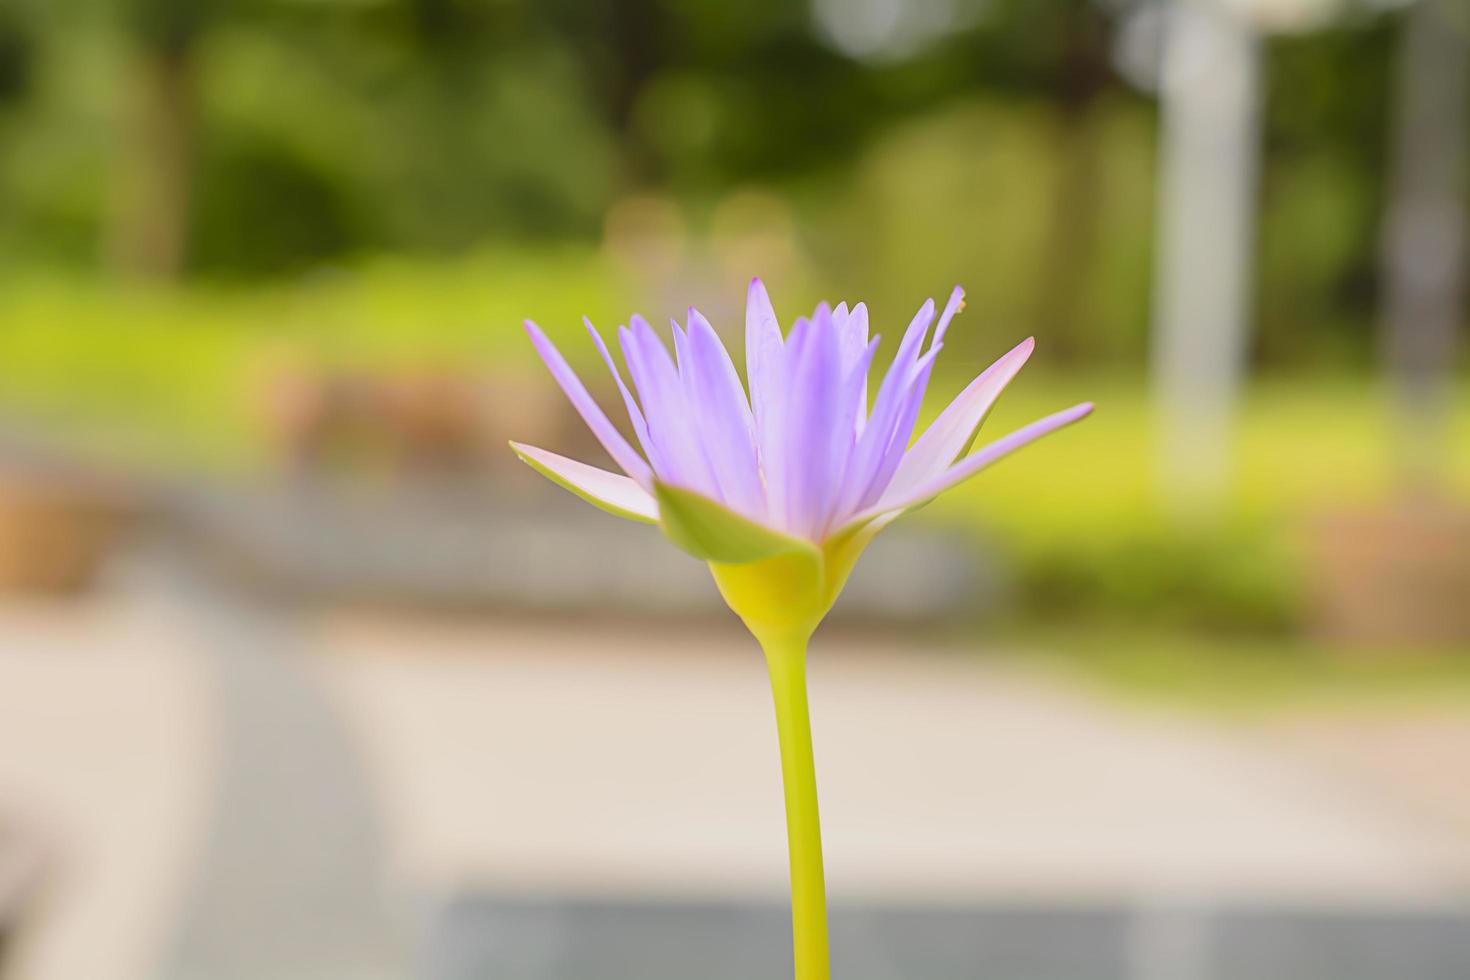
912,403
955,304
871,448
635,416
816,442
903,428
682,461
770,415
852,334
765,370
975,462
852,402
723,418
762,344
693,411
612,440
775,428
955,427
853,339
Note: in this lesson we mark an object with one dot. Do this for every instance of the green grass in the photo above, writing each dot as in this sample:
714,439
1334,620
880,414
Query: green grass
1247,677
1082,518
174,377
1300,443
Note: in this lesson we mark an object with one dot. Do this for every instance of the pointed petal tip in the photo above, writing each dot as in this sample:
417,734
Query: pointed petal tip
1021,352
952,307
612,492
1068,416
523,451
526,452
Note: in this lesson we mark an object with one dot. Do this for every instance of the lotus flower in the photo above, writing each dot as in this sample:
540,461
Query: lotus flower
782,490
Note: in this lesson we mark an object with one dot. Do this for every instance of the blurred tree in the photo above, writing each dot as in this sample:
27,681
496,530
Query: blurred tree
1077,81
1424,245
154,174
261,138
1057,55
1327,109
622,48
706,94
17,55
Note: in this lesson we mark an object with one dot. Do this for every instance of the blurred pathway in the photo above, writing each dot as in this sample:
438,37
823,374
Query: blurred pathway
207,816
104,737
580,760
287,883
618,758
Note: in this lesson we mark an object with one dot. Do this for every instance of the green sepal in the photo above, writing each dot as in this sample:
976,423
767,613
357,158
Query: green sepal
711,531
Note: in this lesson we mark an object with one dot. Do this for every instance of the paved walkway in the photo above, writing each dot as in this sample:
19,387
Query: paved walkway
535,759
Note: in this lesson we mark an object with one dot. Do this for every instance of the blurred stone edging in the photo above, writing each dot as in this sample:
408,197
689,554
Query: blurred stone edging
467,547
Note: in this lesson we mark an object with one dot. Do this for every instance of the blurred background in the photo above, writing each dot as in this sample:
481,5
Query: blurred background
303,675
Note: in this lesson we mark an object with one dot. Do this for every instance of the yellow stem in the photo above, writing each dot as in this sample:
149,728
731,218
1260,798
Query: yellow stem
786,660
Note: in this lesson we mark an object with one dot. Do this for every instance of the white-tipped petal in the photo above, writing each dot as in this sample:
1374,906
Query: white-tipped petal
612,492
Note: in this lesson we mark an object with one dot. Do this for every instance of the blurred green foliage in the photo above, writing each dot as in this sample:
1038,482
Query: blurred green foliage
1002,149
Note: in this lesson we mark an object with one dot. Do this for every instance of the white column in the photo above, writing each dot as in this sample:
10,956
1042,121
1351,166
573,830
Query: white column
1209,145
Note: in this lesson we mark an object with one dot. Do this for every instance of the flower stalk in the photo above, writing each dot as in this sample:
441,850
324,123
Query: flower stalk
786,661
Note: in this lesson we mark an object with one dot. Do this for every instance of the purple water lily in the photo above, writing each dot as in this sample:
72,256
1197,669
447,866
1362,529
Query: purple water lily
781,491
804,455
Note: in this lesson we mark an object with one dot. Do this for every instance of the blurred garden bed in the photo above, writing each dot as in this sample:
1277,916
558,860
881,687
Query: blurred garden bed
182,383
